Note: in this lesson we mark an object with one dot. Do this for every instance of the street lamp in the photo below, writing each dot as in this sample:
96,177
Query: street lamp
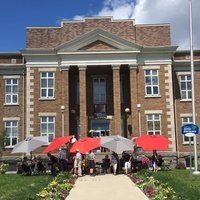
62,108
127,111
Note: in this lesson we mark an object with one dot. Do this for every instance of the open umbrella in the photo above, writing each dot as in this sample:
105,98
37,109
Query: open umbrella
117,143
152,142
57,143
85,145
29,144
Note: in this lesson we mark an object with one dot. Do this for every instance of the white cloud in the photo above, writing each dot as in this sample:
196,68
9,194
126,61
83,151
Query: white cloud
175,12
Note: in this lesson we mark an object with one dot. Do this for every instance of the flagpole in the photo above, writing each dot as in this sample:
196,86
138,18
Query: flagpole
193,88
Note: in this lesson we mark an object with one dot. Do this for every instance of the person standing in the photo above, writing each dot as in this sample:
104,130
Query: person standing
73,139
54,163
62,160
155,161
91,159
78,163
114,162
106,164
127,164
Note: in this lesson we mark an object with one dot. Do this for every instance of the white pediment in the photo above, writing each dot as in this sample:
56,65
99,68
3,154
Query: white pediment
104,41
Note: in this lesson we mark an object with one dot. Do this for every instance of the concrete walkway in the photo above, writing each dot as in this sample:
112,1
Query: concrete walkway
106,186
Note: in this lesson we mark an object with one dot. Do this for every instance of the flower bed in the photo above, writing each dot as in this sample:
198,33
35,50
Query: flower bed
59,188
152,188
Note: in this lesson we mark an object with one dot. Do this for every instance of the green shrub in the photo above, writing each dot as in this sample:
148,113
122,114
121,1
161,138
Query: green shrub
180,165
3,168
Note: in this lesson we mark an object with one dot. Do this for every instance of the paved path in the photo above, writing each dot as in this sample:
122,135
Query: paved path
108,187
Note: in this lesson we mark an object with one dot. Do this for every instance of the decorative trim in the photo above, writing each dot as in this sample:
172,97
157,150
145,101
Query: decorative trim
29,100
151,67
82,67
183,73
116,67
11,118
47,69
41,114
153,112
169,103
186,115
11,77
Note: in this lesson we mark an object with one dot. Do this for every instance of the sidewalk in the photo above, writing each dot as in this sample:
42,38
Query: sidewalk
105,186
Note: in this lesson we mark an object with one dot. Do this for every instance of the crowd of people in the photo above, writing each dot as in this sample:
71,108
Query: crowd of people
80,164
35,166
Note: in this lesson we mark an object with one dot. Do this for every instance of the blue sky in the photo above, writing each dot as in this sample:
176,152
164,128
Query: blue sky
16,15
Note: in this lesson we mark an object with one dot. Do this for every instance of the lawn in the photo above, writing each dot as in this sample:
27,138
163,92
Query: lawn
188,188
18,187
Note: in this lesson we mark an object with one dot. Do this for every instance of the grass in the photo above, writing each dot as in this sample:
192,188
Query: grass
18,187
184,185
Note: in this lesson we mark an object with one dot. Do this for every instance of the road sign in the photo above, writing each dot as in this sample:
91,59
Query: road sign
189,129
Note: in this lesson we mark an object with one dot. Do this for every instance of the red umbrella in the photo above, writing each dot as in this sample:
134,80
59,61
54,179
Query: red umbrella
57,142
152,142
85,145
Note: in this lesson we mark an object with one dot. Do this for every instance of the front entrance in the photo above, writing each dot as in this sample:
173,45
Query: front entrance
99,127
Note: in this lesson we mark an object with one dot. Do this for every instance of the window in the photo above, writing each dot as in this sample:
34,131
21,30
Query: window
47,84
186,87
187,120
153,124
99,90
47,124
11,128
151,82
11,91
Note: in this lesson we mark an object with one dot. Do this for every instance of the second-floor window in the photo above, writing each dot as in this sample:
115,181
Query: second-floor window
153,124
47,85
186,87
151,82
11,91
99,90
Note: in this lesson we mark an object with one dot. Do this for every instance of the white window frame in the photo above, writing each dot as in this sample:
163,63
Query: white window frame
101,99
151,85
46,121
186,91
14,132
12,94
47,88
187,120
153,119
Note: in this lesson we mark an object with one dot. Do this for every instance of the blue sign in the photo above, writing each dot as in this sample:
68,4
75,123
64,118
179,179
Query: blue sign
190,128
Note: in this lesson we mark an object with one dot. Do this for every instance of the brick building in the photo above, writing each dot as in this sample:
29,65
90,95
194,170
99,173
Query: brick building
97,74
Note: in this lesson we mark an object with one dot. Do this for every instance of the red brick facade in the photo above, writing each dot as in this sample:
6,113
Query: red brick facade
117,53
145,35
